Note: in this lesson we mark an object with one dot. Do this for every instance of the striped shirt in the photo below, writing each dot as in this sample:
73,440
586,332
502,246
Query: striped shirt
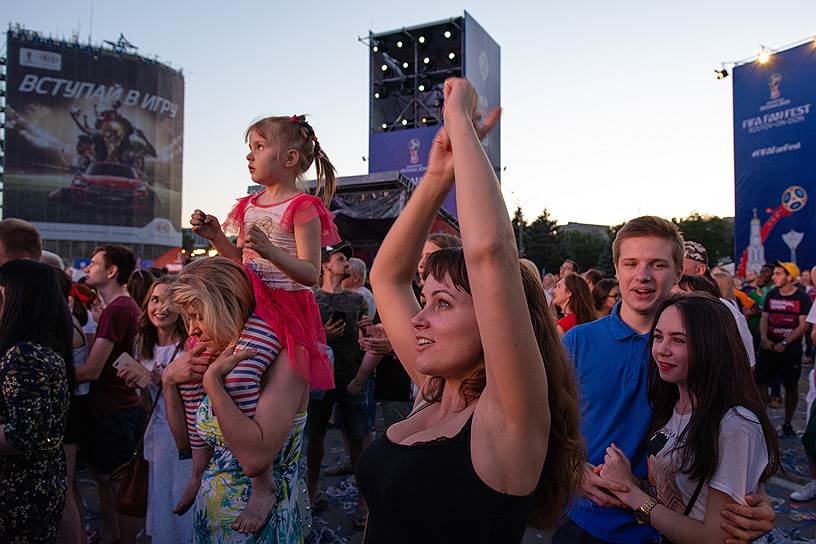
243,383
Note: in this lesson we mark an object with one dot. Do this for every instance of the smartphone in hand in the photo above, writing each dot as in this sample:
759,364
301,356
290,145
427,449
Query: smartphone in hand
126,362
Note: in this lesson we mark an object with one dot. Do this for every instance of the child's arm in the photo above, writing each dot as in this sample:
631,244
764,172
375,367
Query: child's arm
209,227
303,269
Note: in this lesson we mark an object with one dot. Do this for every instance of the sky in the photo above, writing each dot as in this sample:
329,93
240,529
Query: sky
610,109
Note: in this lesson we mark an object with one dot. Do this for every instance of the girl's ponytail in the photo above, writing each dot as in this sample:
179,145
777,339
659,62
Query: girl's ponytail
326,182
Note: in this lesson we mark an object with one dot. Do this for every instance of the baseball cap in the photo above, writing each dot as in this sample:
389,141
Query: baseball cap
342,247
695,251
789,267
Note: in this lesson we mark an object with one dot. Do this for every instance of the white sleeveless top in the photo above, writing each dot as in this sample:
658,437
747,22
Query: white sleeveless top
268,219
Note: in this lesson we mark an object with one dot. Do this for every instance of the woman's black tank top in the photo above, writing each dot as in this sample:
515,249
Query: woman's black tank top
430,492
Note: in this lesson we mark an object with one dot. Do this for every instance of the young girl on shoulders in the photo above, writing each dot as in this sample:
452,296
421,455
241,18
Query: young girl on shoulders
712,441
280,234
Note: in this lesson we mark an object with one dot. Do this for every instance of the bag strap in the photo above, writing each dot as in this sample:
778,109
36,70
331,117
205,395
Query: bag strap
693,498
140,444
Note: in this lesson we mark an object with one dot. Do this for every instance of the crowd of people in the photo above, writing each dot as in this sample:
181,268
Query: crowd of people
625,409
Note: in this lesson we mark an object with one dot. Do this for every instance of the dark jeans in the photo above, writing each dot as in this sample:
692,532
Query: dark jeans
568,532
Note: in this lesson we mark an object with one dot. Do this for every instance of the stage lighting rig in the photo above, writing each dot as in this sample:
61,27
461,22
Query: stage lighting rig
406,68
721,73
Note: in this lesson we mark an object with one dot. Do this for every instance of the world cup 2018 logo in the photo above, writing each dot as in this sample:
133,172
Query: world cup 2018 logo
413,150
773,84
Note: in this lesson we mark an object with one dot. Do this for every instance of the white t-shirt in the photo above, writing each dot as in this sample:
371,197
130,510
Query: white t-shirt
742,327
369,298
743,456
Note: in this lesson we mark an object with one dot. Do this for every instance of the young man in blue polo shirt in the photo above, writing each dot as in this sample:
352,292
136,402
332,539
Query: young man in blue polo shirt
611,358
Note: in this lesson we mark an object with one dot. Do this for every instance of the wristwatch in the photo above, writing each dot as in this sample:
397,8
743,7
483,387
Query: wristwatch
642,511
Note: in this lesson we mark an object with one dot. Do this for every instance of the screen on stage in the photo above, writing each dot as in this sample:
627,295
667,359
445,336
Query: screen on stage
775,159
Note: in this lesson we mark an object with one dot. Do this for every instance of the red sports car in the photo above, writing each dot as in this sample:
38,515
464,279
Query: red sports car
108,185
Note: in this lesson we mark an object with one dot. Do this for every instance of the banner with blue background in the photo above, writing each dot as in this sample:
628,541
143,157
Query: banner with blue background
775,159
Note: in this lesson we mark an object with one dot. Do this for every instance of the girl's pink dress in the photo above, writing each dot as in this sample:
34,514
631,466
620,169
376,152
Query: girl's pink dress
287,306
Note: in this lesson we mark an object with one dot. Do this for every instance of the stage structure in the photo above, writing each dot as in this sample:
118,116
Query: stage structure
775,158
407,69
93,144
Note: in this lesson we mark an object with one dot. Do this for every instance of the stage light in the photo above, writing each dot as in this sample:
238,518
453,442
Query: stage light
424,120
399,44
404,122
426,60
405,65
764,56
451,55
421,87
447,33
421,39
384,67
375,48
385,125
721,74
377,95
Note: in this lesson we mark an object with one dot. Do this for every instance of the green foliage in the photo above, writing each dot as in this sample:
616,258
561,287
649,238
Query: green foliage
715,233
546,246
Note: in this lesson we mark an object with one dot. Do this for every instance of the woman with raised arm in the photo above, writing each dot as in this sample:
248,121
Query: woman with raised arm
493,442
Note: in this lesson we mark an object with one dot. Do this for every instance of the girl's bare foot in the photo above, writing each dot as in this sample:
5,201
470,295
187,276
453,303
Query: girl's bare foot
188,497
256,514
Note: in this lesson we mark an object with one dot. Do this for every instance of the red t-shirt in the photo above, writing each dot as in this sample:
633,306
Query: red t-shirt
118,323
567,322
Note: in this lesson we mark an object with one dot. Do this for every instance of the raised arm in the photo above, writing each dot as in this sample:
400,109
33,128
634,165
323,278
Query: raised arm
398,256
516,380
208,226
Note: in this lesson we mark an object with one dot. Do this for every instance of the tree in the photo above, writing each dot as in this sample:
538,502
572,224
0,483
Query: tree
541,245
584,248
716,234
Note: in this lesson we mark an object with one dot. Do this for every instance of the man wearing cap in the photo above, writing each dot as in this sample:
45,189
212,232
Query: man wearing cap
340,311
781,328
695,259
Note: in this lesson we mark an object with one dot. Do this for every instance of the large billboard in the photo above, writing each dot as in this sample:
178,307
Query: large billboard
93,143
775,159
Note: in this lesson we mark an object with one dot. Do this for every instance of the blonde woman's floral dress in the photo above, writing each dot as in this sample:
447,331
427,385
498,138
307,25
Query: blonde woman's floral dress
225,489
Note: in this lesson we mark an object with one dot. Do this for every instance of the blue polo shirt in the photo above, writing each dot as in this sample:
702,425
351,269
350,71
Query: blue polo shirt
612,363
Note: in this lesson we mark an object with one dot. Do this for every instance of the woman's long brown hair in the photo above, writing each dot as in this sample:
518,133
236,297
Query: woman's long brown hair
719,379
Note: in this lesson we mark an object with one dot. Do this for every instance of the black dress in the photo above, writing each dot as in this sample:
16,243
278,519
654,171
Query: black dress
34,402
430,492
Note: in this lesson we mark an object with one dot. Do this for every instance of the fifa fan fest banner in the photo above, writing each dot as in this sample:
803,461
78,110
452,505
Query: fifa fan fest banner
93,142
775,160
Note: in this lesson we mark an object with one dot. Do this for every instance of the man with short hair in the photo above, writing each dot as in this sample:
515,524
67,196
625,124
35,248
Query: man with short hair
695,259
781,328
356,282
568,267
340,311
115,409
611,357
19,240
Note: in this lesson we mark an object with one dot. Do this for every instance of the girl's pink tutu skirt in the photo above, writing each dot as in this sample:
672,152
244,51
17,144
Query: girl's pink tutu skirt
295,317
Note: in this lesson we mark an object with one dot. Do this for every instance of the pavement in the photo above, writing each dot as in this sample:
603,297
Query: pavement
795,522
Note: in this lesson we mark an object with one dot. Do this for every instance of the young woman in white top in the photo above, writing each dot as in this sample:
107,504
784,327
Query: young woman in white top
160,340
712,441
